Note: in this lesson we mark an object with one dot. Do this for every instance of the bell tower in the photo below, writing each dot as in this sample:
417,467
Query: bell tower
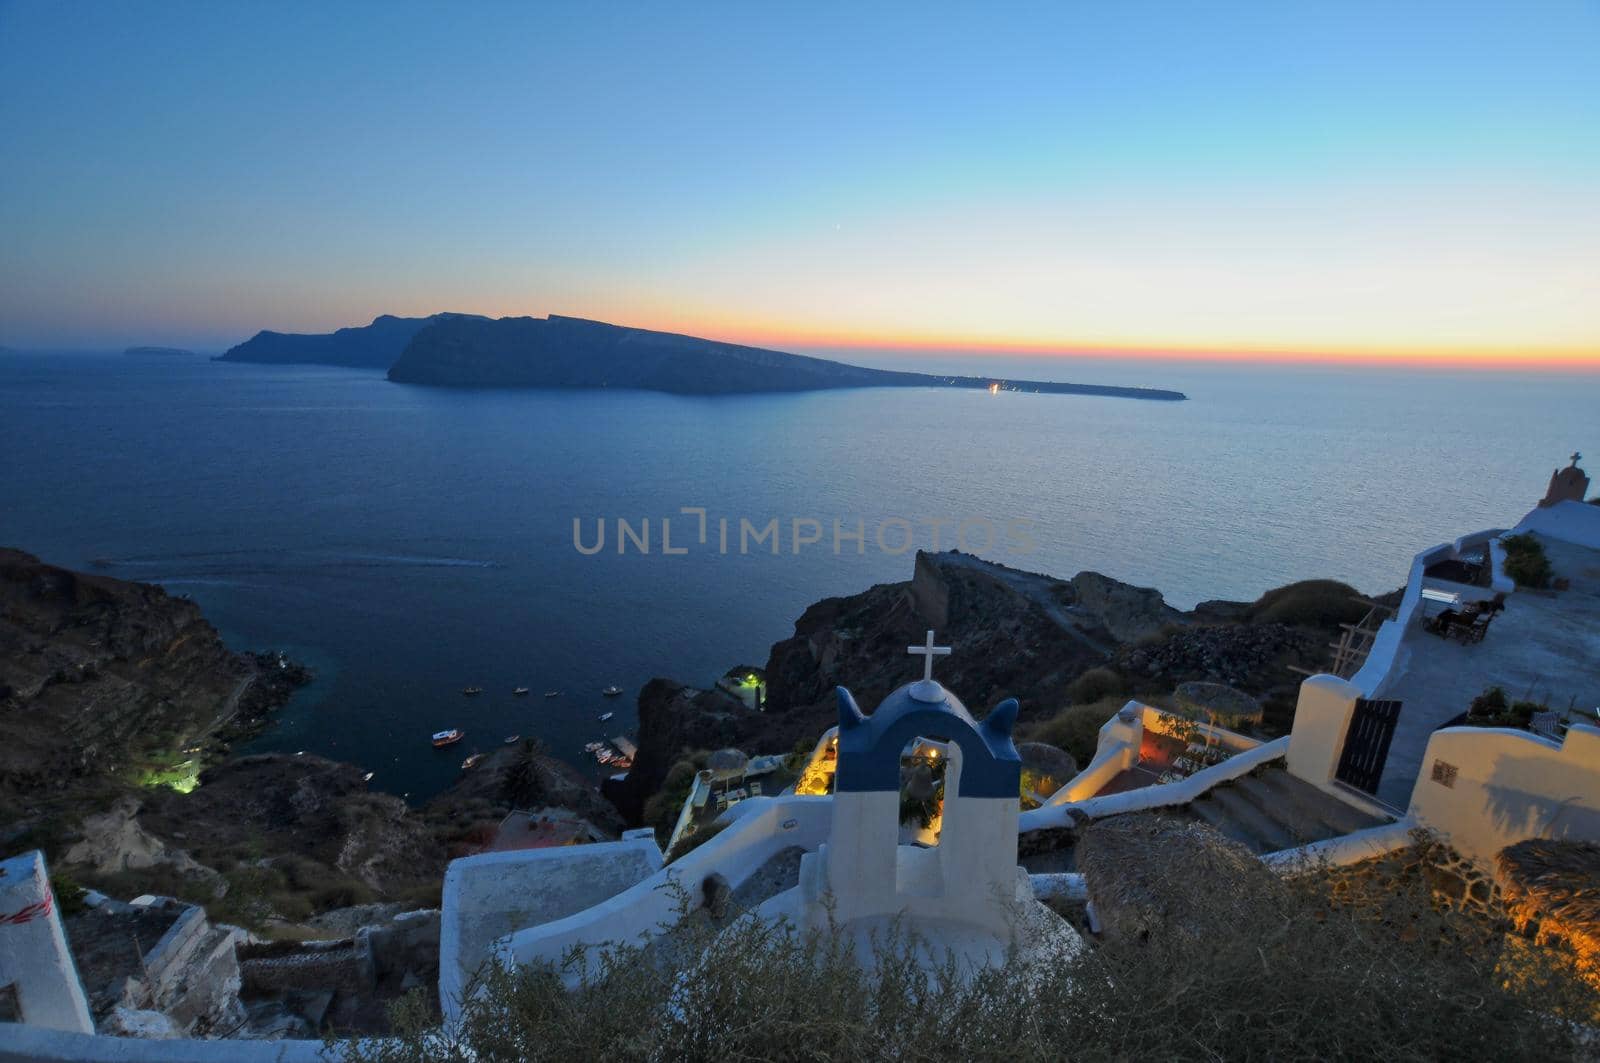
1567,485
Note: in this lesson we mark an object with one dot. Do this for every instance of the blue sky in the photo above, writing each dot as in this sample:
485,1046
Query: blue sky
1361,178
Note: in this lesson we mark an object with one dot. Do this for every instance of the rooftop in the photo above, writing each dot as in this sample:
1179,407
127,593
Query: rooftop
1545,646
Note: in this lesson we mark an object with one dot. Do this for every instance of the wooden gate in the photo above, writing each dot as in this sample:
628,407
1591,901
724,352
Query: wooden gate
1366,743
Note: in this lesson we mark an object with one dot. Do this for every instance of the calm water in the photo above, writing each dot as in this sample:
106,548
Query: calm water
407,542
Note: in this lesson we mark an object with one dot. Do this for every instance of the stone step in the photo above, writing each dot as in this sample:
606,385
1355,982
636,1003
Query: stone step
1217,816
1300,822
1270,835
1340,817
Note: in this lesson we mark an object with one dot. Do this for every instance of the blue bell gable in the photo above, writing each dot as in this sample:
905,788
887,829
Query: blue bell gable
870,746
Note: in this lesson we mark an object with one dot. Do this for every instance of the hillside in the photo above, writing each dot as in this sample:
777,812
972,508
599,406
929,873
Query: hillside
373,346
566,352
1062,647
102,681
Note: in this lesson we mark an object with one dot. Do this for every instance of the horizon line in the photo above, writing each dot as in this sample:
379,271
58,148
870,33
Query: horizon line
839,343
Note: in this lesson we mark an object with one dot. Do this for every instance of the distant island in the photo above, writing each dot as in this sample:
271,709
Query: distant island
374,346
568,352
463,350
159,352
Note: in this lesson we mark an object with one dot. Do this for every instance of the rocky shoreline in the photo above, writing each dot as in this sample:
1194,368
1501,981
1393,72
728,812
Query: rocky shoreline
117,700
111,691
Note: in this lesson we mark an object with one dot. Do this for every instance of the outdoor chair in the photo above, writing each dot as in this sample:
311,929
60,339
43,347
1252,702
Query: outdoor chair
1441,624
755,789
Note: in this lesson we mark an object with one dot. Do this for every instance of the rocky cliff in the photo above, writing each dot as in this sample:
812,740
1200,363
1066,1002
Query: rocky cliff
1013,634
101,679
113,698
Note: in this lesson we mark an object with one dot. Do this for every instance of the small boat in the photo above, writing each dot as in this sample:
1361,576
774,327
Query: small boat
368,776
471,762
611,692
520,692
472,692
512,740
593,747
448,738
604,716
552,693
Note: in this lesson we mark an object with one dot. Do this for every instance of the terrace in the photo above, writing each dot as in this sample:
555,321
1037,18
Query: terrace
1543,647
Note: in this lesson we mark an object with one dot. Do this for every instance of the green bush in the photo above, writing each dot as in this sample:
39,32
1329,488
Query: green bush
1493,709
1094,685
1526,561
662,808
1315,603
69,894
690,842
1076,728
1492,702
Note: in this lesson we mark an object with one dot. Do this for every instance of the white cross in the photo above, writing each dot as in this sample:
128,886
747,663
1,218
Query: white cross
928,652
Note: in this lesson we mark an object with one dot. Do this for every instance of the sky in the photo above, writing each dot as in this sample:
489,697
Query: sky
1387,181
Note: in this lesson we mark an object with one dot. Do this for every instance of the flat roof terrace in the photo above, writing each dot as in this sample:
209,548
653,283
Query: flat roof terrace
1545,646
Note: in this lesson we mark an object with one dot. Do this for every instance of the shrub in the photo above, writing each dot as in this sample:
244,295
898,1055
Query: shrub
1076,729
1372,970
1492,702
69,894
662,808
522,783
1314,602
1526,561
1094,685
690,842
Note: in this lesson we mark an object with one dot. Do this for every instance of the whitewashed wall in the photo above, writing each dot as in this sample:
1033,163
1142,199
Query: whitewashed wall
760,827
1508,786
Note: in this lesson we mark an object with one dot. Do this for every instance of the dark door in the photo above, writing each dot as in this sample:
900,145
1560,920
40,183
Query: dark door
1366,744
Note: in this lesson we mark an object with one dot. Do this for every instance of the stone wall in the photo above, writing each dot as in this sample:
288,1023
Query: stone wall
342,966
408,944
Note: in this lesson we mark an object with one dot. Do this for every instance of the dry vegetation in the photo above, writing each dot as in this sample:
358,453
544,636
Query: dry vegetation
1286,971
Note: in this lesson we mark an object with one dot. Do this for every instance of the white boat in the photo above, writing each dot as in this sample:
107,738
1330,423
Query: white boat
520,692
611,692
471,762
552,693
604,716
512,740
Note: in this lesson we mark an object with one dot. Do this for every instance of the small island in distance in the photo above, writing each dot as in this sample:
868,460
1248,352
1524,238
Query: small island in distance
159,352
464,350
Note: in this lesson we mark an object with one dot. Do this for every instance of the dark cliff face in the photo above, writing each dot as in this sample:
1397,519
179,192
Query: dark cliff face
95,673
373,346
1007,639
1012,634
564,352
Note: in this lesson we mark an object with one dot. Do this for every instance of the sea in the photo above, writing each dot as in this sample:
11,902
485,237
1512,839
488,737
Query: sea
406,542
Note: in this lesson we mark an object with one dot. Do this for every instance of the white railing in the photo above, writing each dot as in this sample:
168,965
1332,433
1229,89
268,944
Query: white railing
1350,848
699,794
1160,796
